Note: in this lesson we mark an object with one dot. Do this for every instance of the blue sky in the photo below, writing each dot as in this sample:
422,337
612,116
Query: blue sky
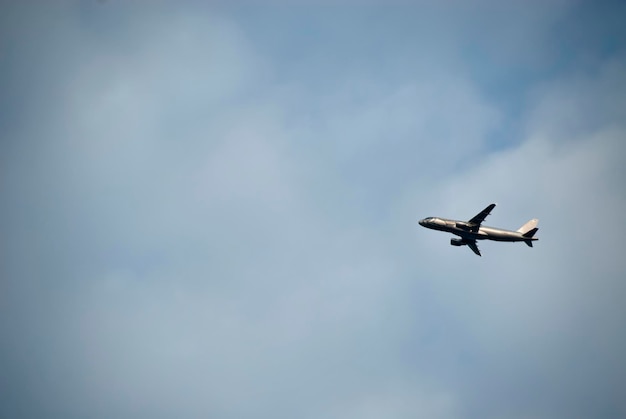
210,209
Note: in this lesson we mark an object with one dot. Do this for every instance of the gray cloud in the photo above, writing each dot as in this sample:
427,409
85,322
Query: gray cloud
188,233
545,331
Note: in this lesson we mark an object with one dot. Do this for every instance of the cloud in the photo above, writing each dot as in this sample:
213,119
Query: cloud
582,103
172,265
187,232
549,315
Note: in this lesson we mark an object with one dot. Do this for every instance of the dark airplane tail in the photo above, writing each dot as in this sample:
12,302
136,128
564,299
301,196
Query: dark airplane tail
530,235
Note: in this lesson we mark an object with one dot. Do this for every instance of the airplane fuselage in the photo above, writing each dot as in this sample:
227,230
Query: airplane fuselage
464,230
473,230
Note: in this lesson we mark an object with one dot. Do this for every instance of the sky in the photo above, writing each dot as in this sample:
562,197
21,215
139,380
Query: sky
209,209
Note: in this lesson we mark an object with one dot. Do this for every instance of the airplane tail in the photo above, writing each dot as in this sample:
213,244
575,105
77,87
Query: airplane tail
530,233
528,226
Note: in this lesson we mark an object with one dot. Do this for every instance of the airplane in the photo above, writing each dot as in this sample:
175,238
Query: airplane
472,230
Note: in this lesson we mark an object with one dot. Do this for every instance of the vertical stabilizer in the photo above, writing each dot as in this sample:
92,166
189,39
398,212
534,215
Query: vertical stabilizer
528,226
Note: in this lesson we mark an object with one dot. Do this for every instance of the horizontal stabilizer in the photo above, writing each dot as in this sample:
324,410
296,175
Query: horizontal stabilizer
530,232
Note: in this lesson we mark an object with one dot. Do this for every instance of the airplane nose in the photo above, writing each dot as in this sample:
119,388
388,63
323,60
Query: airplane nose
421,222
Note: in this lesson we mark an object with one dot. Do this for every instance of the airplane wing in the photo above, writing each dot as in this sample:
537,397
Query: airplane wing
472,245
477,220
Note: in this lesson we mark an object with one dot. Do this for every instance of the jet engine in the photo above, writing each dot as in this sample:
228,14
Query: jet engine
456,242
